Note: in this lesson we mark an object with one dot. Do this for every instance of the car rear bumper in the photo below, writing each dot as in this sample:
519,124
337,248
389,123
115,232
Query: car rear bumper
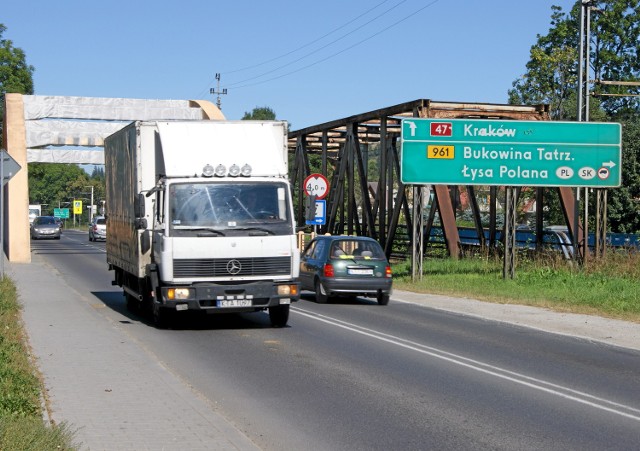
364,287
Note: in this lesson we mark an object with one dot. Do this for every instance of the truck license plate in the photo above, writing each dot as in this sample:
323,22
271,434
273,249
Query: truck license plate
234,303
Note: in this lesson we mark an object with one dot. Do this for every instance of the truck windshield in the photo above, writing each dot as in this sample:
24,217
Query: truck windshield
247,208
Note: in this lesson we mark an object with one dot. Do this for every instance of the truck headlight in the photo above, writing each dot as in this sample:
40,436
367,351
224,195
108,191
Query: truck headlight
221,171
287,290
174,294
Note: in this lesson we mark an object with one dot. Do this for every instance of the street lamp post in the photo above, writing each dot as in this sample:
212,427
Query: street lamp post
91,207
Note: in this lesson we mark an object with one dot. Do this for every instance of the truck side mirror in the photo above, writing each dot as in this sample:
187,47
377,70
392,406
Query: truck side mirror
138,206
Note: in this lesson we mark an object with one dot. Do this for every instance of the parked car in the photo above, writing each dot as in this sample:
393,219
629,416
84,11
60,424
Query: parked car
345,266
98,229
45,227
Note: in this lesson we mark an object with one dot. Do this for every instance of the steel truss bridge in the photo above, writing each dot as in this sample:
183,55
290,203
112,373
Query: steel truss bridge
374,202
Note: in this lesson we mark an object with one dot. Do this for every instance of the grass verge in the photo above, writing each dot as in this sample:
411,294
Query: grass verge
21,417
609,287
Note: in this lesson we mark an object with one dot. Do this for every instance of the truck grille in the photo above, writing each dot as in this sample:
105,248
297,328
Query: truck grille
224,267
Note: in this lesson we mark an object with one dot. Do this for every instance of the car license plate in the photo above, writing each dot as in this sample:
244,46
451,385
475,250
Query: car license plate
234,303
360,272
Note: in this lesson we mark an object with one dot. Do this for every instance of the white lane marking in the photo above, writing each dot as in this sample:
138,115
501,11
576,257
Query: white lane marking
518,378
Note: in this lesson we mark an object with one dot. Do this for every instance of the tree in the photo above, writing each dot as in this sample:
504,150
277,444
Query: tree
260,114
55,183
15,73
551,75
551,78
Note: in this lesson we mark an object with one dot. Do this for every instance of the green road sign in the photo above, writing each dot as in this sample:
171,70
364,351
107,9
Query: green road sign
510,153
62,213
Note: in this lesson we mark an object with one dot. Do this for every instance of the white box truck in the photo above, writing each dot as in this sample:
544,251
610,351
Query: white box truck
200,217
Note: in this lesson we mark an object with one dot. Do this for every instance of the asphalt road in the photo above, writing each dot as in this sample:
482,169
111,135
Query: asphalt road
355,375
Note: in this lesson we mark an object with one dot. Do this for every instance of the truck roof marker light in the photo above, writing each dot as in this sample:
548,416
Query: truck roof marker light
245,171
234,170
220,171
207,171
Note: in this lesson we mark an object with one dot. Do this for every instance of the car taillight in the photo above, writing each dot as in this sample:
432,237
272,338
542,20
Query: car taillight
387,271
328,270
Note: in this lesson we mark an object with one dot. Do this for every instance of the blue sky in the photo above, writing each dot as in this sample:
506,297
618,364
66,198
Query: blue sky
311,62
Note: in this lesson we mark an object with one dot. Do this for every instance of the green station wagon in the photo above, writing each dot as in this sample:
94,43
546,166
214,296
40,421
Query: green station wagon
345,266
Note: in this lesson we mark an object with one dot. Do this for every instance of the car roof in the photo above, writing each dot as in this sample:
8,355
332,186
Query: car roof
344,238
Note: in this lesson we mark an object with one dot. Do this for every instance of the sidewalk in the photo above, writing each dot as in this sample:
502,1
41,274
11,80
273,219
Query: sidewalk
104,385
119,398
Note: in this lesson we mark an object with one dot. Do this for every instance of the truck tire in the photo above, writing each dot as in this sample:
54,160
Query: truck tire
133,305
161,316
279,315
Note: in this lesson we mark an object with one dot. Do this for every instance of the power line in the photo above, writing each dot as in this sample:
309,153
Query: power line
340,52
307,44
317,50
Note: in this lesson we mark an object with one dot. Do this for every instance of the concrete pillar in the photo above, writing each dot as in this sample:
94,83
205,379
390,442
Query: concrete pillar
16,240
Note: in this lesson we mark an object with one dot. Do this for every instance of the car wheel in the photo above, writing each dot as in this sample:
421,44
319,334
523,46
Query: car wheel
383,298
279,315
321,295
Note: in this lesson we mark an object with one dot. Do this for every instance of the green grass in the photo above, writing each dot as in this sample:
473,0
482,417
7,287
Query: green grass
609,287
21,417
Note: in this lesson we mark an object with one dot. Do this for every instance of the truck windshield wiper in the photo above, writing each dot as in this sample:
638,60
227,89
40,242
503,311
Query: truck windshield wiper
207,231
261,230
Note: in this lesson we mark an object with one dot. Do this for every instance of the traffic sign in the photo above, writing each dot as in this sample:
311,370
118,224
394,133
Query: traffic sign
321,214
511,153
316,185
62,213
77,207
9,166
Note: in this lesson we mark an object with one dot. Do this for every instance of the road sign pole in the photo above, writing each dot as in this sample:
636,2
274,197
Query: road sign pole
2,216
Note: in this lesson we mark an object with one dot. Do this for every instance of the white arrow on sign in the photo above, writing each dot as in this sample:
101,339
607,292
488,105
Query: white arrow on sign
609,164
413,127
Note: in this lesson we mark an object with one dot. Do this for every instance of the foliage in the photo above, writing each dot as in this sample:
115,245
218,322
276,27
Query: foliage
260,114
15,73
21,425
551,78
615,56
623,209
57,184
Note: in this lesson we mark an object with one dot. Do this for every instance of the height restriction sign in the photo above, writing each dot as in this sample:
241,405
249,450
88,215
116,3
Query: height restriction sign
316,185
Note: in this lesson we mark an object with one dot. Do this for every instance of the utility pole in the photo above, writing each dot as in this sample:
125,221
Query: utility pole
213,91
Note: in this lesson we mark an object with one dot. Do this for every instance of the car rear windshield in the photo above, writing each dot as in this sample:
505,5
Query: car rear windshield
357,249
101,221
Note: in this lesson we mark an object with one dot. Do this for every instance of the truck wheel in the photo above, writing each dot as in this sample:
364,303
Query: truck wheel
383,299
133,305
161,316
321,296
279,315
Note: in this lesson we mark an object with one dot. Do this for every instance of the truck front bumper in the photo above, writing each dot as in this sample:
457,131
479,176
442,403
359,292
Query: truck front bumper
219,298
